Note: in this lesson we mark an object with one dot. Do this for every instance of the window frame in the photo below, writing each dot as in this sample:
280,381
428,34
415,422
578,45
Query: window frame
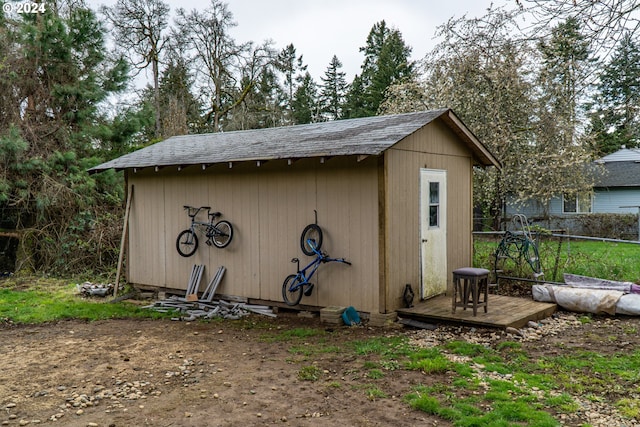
579,200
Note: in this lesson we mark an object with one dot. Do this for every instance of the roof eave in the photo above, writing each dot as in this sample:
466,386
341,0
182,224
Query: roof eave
360,156
482,154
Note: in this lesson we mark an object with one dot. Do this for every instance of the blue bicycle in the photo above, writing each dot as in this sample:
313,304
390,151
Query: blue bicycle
297,284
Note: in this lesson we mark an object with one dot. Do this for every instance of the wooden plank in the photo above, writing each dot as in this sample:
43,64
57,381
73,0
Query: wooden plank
123,239
210,291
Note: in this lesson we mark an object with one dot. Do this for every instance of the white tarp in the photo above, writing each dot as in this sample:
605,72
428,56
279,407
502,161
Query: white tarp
591,295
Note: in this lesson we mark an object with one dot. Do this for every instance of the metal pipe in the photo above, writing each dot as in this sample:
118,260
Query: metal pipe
597,239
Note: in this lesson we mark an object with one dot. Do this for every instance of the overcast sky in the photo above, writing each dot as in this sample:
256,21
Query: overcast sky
321,29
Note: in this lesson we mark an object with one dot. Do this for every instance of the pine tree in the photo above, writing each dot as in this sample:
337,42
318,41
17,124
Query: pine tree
290,64
615,119
51,130
305,105
333,90
566,60
386,62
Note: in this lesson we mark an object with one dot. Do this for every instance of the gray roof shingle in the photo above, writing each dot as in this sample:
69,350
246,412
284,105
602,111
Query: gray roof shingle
619,174
364,136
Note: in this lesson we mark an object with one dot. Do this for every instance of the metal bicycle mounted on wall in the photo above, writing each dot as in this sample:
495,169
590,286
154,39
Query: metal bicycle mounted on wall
297,284
218,234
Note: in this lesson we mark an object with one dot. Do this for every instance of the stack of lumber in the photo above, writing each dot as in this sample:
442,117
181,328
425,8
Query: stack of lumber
192,310
191,307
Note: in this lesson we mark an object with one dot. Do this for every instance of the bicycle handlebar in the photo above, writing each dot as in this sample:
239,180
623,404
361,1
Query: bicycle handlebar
193,211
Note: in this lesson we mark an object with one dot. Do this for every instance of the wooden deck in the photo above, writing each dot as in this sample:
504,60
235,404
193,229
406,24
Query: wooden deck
502,312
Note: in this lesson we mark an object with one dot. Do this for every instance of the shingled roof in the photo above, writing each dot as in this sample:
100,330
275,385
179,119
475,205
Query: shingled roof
364,136
619,174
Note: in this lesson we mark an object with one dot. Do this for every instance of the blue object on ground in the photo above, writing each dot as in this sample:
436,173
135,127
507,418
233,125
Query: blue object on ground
350,316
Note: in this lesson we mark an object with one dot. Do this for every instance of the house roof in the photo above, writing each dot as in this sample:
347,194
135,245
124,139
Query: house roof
622,155
364,136
619,174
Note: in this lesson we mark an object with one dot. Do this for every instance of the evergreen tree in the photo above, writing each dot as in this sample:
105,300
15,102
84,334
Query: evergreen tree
558,154
262,107
615,118
305,105
180,110
333,90
566,60
293,69
51,131
386,62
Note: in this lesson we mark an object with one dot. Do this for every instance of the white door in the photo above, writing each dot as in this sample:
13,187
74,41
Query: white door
433,232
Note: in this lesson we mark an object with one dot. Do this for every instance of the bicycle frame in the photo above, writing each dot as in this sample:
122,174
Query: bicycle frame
313,265
302,273
218,234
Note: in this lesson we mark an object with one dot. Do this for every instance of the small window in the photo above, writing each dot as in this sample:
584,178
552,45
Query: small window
576,203
434,204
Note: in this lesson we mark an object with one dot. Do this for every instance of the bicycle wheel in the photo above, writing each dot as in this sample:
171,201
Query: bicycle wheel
222,234
533,258
311,232
292,289
187,243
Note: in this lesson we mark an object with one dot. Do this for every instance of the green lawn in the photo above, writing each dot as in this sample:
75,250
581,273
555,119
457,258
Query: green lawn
601,259
33,300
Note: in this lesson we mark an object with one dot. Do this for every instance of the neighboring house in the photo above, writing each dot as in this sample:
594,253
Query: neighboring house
393,195
616,190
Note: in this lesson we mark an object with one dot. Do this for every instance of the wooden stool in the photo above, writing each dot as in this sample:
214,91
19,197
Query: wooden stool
469,284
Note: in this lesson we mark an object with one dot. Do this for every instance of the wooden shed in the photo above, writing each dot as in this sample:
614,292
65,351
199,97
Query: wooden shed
393,195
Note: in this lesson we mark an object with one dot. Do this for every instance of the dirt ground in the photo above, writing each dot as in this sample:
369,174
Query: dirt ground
221,373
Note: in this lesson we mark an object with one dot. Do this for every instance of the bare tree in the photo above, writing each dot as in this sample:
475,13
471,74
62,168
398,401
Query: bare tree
490,76
604,22
139,26
205,36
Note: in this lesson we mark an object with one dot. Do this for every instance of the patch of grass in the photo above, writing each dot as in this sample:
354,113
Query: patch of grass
464,348
497,408
309,373
374,392
585,319
582,257
375,374
387,347
301,350
423,401
390,365
299,334
563,401
429,361
60,301
368,364
629,407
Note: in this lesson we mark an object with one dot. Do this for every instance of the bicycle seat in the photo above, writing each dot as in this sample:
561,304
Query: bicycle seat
214,214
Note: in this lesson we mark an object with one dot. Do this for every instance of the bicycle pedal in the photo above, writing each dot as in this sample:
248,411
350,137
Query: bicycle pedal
208,242
309,290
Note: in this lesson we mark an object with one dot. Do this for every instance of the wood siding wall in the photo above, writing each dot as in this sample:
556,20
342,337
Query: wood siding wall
434,147
268,206
369,212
